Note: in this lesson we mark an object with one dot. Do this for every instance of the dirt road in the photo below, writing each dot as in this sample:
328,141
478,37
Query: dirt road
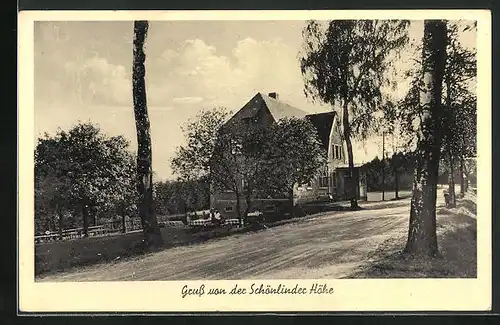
332,245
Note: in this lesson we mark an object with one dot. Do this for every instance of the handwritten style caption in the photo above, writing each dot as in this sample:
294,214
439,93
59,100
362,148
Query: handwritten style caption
256,289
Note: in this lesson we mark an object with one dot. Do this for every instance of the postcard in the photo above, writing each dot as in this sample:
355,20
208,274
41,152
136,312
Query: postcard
254,161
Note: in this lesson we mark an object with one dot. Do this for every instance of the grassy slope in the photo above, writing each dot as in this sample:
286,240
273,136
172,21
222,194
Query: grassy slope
456,229
58,256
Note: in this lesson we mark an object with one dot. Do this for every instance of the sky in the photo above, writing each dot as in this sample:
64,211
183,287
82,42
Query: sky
83,73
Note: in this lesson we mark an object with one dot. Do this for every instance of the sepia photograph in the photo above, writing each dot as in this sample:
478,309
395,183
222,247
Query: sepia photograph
255,150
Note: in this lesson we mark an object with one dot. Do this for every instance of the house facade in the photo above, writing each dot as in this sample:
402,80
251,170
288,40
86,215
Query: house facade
332,180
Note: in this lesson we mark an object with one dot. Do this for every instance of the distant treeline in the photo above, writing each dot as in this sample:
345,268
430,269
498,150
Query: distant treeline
175,197
382,174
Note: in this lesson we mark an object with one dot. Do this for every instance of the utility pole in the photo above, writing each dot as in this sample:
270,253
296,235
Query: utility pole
383,165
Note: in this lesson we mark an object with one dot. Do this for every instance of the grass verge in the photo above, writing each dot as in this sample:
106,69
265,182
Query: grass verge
456,230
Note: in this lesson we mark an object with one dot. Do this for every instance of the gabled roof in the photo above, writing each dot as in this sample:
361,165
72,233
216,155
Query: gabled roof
277,108
321,121
280,109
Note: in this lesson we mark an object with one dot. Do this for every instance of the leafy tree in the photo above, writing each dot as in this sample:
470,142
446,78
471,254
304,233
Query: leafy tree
466,132
459,120
422,237
248,158
125,198
398,164
294,156
144,176
399,173
459,131
228,156
345,64
239,159
175,197
78,171
51,201
193,160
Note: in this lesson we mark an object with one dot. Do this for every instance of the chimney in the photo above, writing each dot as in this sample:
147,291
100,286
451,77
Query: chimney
273,95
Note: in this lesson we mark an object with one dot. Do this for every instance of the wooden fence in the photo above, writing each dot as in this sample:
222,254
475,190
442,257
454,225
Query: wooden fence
116,227
208,222
107,228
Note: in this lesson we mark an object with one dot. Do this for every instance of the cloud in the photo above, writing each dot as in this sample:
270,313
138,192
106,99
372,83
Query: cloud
180,81
97,81
188,74
194,73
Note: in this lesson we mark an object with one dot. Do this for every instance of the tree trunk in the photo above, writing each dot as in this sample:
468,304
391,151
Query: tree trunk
124,225
59,222
422,237
383,166
347,137
450,127
396,183
238,208
60,225
462,179
292,206
248,201
451,183
53,226
85,213
150,227
383,180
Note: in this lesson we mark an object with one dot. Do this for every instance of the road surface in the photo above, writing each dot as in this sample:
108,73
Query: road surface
332,245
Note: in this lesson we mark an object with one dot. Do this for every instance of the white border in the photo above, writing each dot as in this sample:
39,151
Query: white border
351,295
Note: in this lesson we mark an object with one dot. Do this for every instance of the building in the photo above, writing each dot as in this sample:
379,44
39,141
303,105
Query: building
332,181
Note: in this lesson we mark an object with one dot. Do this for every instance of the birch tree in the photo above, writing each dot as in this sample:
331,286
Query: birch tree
144,156
345,65
422,237
458,98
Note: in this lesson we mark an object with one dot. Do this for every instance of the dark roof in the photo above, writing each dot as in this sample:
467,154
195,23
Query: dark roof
280,109
323,123
277,108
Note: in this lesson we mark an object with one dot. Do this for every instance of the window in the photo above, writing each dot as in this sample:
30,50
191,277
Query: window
337,151
334,180
323,181
323,177
228,209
